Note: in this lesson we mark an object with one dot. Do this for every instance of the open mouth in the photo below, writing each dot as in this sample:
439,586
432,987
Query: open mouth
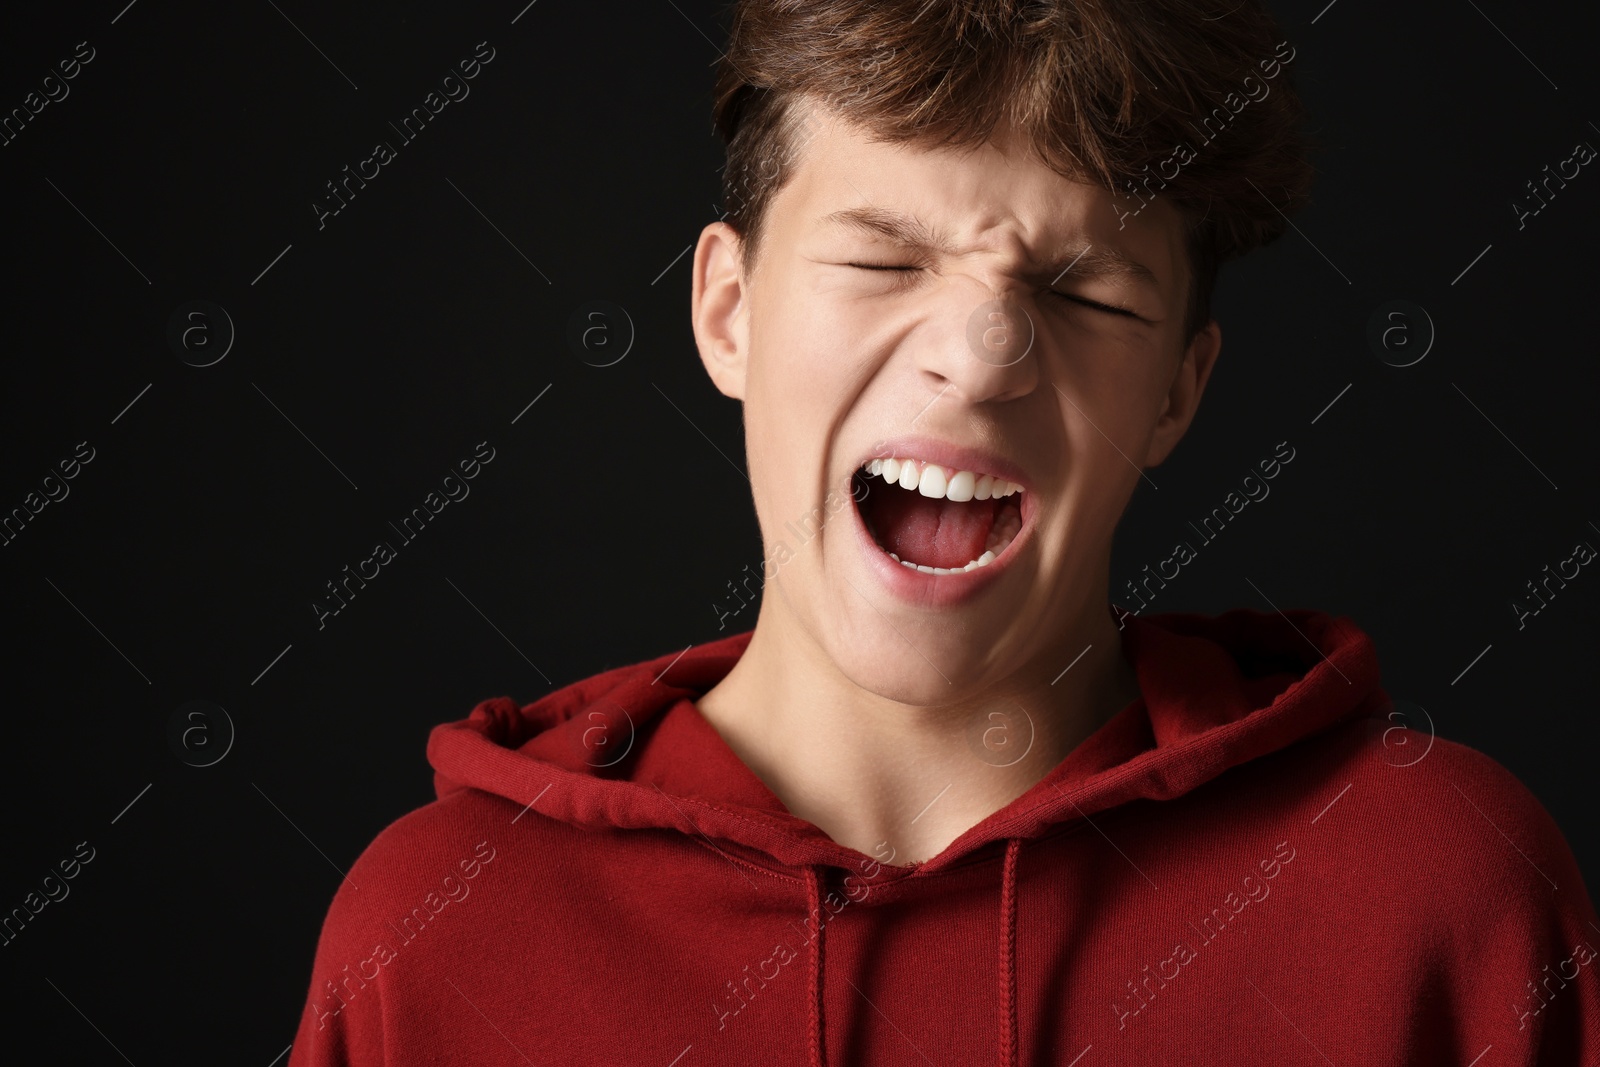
937,519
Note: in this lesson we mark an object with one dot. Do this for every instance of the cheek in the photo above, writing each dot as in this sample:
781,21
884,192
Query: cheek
808,358
793,396
1116,383
1121,373
809,387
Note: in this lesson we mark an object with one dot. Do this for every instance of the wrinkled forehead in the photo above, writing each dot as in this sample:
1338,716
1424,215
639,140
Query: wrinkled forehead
995,196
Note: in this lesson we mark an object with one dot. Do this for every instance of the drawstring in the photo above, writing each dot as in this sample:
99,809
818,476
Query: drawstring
1008,955
814,910
1008,961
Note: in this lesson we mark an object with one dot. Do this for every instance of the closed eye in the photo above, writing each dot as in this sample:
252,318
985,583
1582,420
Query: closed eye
907,274
1111,309
881,266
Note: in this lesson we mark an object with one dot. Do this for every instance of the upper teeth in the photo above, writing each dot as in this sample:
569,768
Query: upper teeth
935,481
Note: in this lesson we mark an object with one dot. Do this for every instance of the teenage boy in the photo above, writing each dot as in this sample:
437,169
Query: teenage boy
947,802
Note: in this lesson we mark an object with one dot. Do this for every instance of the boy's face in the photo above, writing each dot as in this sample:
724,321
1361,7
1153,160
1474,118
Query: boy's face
838,365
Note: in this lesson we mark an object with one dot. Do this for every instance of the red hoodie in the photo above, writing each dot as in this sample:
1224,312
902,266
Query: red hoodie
1249,864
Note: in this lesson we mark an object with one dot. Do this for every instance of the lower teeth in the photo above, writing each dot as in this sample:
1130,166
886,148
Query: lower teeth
982,561
1004,529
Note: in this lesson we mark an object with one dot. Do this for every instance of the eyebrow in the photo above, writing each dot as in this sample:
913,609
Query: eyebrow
902,229
1081,260
1094,262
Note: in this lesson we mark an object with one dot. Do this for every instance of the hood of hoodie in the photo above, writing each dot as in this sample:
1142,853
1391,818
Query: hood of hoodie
656,877
627,749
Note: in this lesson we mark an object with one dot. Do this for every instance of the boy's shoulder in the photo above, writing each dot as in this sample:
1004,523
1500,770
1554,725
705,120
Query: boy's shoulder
1447,831
421,863
433,841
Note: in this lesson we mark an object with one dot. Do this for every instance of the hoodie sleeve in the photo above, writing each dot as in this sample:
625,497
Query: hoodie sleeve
341,1025
1524,964
380,968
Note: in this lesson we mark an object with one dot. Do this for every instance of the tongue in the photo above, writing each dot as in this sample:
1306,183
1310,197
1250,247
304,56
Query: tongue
933,532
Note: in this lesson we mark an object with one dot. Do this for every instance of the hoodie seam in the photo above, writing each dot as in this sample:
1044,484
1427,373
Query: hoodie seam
1062,829
704,805
742,862
693,829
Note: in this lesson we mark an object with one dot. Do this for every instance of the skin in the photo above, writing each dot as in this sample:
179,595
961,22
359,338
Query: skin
857,708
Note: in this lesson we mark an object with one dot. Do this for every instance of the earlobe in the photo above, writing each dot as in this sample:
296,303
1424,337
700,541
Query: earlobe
1183,398
717,308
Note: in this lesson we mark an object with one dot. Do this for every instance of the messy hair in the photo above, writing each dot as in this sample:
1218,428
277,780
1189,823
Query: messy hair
1115,93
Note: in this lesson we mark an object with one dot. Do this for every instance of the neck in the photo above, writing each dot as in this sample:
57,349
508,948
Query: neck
899,782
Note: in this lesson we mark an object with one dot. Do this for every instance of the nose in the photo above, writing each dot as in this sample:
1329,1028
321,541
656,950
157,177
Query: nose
980,341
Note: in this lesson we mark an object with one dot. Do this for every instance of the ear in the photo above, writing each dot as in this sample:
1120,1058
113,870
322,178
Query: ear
718,308
1183,399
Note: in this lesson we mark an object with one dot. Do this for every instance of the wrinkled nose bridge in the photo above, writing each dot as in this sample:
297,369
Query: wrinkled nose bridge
979,282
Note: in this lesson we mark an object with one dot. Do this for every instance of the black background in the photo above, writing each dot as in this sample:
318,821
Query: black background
376,352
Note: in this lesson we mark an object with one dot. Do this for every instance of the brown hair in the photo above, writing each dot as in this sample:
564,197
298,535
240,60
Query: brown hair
1116,93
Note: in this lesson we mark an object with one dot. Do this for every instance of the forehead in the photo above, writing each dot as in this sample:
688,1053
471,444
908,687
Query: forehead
993,198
